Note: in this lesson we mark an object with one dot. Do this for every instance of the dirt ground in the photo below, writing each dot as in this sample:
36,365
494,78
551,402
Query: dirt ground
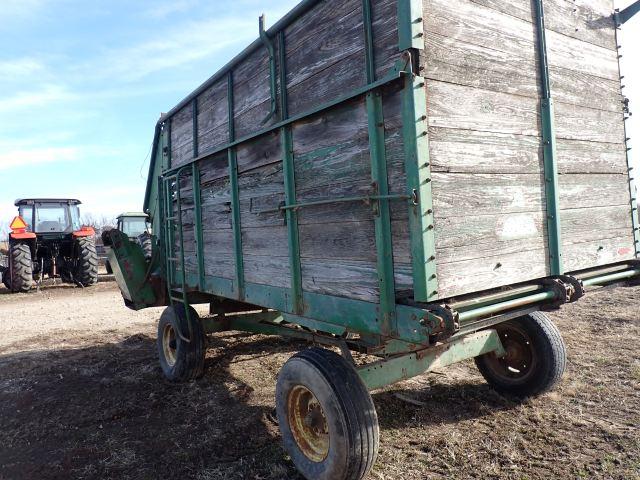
82,396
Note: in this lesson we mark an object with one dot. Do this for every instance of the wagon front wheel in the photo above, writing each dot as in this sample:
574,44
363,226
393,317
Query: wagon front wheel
327,418
181,343
535,357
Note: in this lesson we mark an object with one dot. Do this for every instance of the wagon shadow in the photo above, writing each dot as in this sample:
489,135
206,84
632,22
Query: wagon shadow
106,412
438,404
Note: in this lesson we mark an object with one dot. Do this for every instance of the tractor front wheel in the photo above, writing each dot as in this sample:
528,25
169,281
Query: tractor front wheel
19,276
326,415
86,272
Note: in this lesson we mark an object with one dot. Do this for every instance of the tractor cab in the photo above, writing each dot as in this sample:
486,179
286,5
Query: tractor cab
50,217
134,224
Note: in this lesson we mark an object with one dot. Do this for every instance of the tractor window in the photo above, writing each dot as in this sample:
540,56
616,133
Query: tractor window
75,217
52,218
26,212
134,226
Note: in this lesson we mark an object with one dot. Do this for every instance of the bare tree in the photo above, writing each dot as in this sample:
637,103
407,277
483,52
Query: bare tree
99,223
4,231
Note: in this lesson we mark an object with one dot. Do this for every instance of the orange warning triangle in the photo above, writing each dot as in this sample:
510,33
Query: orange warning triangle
18,223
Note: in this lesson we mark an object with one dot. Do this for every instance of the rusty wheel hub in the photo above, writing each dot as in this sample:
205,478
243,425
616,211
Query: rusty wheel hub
308,423
520,356
169,345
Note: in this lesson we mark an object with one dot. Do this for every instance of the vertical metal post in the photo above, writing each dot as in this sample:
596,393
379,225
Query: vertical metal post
288,170
418,170
169,145
235,194
381,210
194,110
554,233
416,154
197,223
410,25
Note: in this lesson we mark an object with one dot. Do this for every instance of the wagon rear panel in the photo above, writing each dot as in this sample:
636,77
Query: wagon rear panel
485,134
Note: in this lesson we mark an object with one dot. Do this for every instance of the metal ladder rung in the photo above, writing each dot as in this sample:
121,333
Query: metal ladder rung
169,219
174,259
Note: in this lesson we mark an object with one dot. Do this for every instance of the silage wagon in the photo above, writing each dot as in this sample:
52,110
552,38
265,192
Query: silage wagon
416,180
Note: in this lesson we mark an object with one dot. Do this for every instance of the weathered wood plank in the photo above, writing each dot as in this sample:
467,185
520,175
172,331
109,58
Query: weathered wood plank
583,19
576,156
451,60
456,106
578,190
266,241
182,136
599,252
257,153
469,151
213,117
467,276
267,270
466,238
473,23
580,123
461,194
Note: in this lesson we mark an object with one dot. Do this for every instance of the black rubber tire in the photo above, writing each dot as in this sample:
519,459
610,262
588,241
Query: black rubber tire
86,272
107,265
5,279
548,351
20,274
347,406
189,356
144,240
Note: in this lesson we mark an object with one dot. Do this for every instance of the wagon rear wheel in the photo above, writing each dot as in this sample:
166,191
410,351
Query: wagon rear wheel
327,418
535,357
181,344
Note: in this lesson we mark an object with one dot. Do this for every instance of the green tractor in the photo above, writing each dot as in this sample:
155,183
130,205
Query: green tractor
136,226
48,240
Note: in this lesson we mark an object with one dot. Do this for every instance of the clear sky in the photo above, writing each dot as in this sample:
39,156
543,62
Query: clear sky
82,84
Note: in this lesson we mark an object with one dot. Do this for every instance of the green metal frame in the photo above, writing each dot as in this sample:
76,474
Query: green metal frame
621,17
235,195
554,234
288,171
418,171
410,25
380,206
388,371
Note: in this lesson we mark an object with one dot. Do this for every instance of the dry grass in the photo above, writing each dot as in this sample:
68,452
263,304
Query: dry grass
93,404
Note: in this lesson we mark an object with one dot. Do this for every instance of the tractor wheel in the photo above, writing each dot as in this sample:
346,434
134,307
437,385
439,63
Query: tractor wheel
144,241
86,272
535,357
181,360
19,277
327,418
